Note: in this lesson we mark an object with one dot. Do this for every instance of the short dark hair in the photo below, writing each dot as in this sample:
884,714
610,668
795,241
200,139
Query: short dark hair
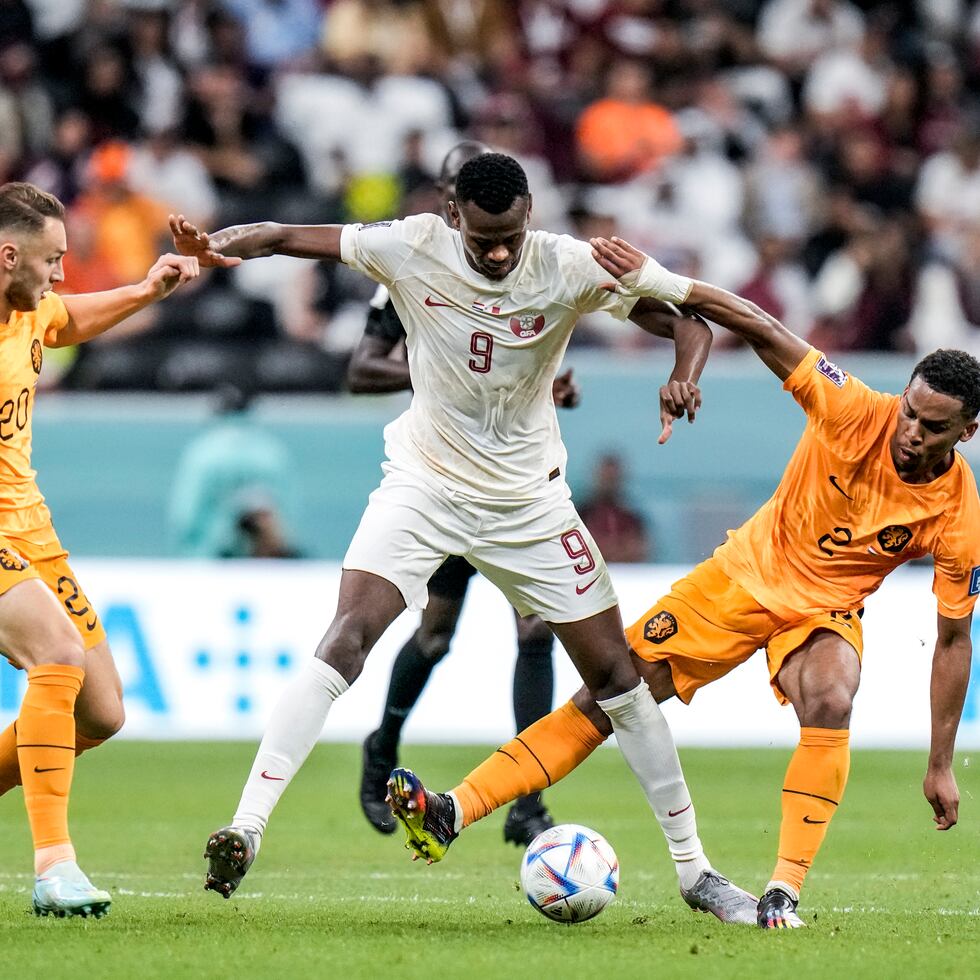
24,207
954,373
492,181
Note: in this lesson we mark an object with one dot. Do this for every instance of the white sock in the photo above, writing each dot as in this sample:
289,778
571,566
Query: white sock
646,743
784,887
290,735
458,821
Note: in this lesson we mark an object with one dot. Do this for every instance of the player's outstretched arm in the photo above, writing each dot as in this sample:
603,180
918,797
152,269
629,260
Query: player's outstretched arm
692,342
229,246
90,314
950,678
637,274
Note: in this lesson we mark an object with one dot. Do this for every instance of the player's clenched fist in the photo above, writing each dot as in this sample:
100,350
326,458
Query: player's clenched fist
170,271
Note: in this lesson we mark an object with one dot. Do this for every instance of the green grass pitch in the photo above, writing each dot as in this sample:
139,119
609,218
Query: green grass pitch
329,897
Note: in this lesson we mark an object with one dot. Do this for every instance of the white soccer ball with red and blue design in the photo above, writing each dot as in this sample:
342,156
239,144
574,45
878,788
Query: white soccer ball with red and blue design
570,873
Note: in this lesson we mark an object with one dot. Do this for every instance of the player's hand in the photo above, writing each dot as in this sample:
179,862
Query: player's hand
188,240
677,399
943,795
617,257
170,271
565,391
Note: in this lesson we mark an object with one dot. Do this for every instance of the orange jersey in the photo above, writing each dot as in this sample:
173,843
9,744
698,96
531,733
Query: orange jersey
841,518
22,339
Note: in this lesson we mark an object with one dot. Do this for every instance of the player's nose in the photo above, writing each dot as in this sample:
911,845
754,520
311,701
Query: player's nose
499,253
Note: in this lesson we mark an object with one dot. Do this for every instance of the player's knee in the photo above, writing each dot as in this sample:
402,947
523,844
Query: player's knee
612,679
433,644
830,708
534,637
106,723
346,644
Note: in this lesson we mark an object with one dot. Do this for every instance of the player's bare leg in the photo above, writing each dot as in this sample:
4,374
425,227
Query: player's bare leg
820,679
366,606
37,636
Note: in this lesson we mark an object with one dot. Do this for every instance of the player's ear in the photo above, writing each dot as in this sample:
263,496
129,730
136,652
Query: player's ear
453,211
969,431
530,202
8,255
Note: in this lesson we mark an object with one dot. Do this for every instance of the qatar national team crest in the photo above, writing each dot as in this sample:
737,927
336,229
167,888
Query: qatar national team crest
527,325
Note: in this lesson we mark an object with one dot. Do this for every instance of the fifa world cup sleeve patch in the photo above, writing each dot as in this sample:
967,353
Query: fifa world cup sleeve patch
975,581
831,372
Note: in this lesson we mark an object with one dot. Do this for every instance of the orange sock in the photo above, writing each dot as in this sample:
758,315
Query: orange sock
542,754
814,785
10,765
46,749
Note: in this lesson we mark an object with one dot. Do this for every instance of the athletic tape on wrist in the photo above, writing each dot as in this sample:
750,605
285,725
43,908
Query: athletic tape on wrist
652,279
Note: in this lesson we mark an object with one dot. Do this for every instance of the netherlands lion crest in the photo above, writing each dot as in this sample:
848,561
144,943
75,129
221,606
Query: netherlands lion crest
660,627
894,538
37,356
527,325
10,561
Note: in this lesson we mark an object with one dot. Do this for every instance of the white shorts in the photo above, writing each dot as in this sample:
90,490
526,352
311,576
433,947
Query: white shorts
538,554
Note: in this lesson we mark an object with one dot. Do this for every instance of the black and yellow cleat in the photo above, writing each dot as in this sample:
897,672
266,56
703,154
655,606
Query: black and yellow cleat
230,853
777,910
428,818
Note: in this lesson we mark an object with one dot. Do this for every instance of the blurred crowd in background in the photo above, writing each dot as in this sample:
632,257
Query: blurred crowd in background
821,157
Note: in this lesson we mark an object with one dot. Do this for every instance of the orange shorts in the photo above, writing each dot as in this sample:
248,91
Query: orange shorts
21,560
707,625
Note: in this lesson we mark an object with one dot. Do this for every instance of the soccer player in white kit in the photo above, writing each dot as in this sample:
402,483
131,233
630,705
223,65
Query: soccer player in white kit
475,468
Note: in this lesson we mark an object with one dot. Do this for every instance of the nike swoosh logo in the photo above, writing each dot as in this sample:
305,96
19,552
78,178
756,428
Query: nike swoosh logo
429,301
677,813
51,769
838,487
582,589
91,626
265,775
806,819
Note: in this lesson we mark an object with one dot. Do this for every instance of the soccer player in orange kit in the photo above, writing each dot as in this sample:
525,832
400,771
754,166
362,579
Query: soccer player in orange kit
47,624
874,482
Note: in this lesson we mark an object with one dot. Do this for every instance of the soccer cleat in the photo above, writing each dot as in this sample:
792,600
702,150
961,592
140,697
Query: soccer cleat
230,853
714,893
64,890
777,910
524,823
428,818
374,779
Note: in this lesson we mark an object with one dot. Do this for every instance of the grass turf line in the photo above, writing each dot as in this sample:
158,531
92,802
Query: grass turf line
329,895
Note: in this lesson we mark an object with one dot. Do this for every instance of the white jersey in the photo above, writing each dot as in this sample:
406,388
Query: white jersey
482,353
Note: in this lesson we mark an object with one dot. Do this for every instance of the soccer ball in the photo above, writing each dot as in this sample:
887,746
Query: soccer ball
570,873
